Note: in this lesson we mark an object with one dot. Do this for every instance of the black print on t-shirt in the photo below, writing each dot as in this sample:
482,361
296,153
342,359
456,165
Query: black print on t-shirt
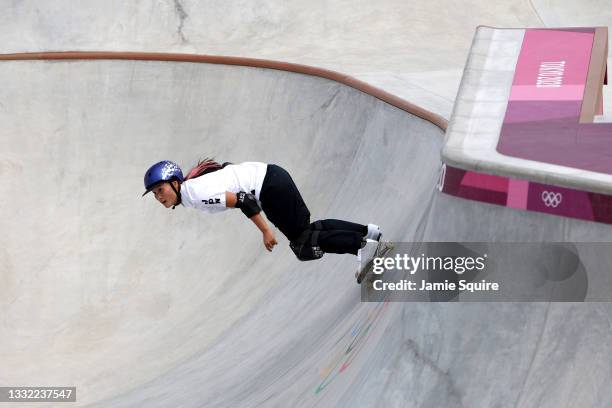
212,201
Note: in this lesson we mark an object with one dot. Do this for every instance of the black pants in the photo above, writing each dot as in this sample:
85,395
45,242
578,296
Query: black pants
282,203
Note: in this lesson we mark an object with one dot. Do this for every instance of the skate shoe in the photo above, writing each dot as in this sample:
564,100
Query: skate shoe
365,257
374,232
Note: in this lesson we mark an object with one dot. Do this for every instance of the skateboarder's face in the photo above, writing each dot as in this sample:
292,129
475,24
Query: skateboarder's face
165,195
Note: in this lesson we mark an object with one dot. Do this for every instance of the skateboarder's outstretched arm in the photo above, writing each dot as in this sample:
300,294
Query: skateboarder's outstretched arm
269,239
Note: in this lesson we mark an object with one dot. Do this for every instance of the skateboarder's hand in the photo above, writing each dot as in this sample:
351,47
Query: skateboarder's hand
269,239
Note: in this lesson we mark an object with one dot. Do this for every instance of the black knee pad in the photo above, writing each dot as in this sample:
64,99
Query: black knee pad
306,247
317,226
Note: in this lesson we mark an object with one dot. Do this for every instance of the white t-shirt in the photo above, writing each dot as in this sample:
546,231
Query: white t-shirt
207,192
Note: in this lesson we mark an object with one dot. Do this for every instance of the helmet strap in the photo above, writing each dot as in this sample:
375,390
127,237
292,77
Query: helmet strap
178,194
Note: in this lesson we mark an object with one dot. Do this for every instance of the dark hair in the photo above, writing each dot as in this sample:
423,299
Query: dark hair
204,166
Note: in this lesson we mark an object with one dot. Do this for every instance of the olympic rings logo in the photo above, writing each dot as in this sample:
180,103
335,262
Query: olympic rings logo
551,199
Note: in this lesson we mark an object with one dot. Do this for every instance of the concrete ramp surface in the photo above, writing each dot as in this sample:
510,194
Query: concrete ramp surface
139,306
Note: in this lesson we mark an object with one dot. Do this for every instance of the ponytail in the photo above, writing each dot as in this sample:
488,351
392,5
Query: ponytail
207,165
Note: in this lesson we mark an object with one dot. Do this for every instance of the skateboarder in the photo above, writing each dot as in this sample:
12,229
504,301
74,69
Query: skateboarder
252,186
